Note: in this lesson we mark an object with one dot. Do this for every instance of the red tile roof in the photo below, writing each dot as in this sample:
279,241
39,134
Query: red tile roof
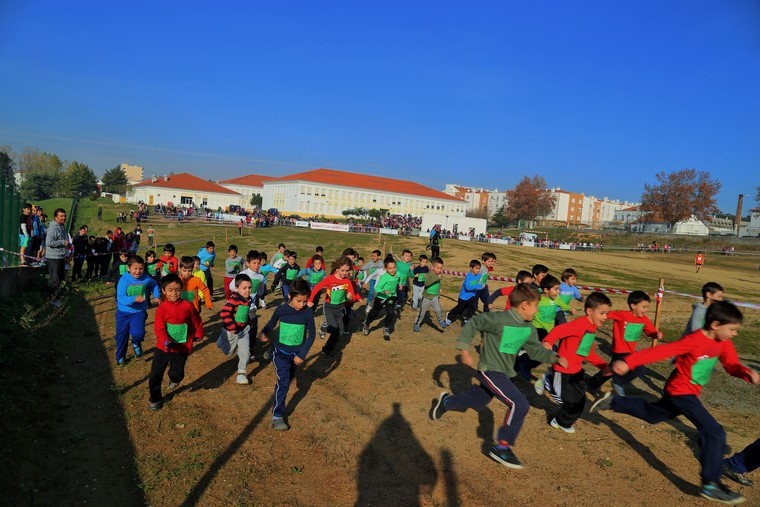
249,180
366,181
185,181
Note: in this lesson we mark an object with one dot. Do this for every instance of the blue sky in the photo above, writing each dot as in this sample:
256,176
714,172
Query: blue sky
596,97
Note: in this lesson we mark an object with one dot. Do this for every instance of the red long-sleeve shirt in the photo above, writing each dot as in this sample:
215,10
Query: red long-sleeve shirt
333,283
626,321
167,264
691,372
576,344
177,313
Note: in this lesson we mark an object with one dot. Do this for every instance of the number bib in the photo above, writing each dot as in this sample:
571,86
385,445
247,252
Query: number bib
188,295
136,290
241,314
152,269
421,277
547,313
566,298
290,274
338,296
513,338
633,332
484,278
123,269
255,282
584,348
177,332
291,334
702,369
435,288
316,277
402,271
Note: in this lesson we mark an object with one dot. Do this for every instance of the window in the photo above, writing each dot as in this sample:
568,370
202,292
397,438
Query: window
186,199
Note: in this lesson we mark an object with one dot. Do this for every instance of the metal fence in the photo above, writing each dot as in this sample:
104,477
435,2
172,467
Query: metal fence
10,210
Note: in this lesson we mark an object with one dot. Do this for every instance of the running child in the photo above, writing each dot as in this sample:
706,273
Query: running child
567,292
467,302
339,291
118,269
177,325
695,357
290,344
198,273
431,295
314,274
265,269
317,251
132,293
151,264
192,285
368,269
168,263
287,273
418,281
404,269
207,255
626,332
502,335
575,342
539,271
151,235
522,277
711,292
235,335
488,259
253,262
386,291
699,260
233,265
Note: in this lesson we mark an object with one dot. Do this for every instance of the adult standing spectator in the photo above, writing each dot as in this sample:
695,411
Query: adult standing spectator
56,248
100,213
435,242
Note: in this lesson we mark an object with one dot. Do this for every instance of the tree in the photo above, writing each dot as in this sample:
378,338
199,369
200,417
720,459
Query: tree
115,180
679,195
528,200
257,200
32,160
38,186
6,165
500,218
78,180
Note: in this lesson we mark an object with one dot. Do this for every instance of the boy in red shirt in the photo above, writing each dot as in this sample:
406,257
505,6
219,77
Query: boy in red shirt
522,277
576,344
626,333
699,260
168,263
177,326
695,357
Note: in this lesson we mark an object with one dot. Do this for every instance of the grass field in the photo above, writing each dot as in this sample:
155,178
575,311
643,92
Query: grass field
360,433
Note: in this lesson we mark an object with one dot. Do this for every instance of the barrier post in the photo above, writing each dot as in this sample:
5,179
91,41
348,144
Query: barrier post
658,308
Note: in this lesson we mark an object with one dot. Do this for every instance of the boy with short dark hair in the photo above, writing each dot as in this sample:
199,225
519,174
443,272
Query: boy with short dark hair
192,286
233,265
711,292
522,277
502,335
403,268
467,301
168,263
235,335
539,271
430,295
695,357
368,269
118,268
575,341
132,294
418,281
488,259
287,273
177,325
207,256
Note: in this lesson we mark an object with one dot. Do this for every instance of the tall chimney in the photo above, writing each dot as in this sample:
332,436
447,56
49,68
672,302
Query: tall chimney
738,217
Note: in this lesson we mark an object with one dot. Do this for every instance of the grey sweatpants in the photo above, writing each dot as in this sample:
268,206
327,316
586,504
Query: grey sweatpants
425,306
417,295
229,342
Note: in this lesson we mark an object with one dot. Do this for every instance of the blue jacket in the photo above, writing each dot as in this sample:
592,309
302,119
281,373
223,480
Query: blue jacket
125,296
205,257
470,286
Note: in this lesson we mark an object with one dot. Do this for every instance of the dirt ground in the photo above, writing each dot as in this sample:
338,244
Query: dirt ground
360,432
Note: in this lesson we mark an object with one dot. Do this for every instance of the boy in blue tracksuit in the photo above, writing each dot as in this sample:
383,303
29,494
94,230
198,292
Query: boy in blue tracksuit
290,344
468,301
132,293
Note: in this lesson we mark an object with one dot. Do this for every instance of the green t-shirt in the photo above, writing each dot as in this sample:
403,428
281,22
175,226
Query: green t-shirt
387,283
402,271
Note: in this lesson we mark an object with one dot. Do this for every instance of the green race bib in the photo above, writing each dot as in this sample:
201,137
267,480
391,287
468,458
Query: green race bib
290,274
435,288
291,334
421,277
316,277
702,369
123,269
484,278
136,290
402,271
255,282
338,296
165,270
188,295
566,298
152,269
547,313
632,332
177,332
584,349
241,314
513,338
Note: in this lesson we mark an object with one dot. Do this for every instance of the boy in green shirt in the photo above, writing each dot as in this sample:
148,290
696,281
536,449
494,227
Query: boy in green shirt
386,291
503,334
431,295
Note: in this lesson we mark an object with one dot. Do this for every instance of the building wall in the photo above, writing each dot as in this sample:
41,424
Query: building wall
246,191
496,201
134,172
160,195
308,198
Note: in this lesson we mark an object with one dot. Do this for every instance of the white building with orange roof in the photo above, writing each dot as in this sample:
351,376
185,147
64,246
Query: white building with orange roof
248,186
328,192
184,189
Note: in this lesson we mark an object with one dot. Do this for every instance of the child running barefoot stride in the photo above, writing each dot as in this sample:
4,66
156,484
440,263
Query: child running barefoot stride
177,326
290,344
695,357
502,334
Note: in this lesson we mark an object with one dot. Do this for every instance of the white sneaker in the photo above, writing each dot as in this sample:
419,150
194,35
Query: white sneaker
242,379
262,304
555,424
539,385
